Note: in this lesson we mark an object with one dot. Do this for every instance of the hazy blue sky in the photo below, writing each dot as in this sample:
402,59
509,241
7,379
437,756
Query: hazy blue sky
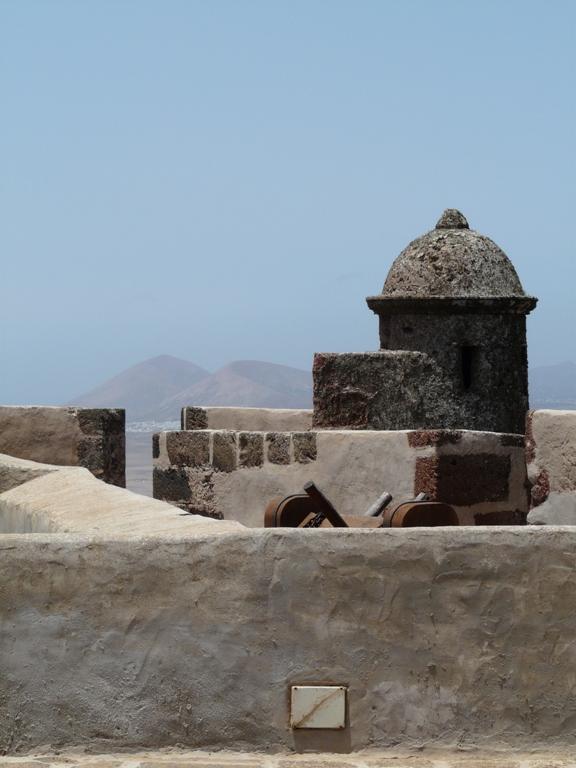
221,180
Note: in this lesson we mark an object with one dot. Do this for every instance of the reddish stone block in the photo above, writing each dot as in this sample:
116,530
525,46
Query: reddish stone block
463,480
433,437
540,489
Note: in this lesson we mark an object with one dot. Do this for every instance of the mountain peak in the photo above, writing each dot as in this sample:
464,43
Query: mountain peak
157,388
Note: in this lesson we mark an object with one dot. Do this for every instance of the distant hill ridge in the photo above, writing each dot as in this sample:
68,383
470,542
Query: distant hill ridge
156,389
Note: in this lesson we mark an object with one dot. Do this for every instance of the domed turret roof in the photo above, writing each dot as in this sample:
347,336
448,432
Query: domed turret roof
452,261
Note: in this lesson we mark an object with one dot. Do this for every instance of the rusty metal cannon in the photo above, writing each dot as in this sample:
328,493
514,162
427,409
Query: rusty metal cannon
312,509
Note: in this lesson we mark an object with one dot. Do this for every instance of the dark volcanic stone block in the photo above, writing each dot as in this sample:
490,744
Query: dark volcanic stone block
463,480
103,449
517,441
202,501
91,454
171,484
381,390
417,390
251,449
224,451
278,444
304,445
194,418
96,421
155,445
188,449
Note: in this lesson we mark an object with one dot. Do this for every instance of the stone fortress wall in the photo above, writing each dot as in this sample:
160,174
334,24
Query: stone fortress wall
483,474
442,637
127,623
232,474
440,408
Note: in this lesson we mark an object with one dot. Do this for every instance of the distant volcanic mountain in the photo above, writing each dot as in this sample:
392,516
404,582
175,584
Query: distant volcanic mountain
246,383
142,387
156,389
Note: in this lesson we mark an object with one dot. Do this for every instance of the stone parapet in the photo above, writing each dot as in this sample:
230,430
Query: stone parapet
93,438
44,498
248,419
233,474
442,637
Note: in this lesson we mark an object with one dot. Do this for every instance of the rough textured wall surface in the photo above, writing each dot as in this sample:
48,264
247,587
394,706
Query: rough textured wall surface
86,437
14,472
444,637
234,474
551,460
398,389
36,498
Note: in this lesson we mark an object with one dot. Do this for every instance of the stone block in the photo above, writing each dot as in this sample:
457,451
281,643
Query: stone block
251,449
87,437
202,497
95,421
171,484
91,454
224,451
410,389
463,479
304,446
433,438
278,447
188,449
194,418
387,390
